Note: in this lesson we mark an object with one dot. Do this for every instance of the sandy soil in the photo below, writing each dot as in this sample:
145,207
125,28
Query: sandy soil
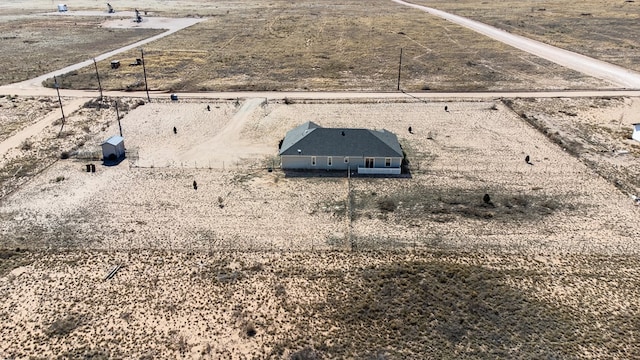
258,305
262,264
555,205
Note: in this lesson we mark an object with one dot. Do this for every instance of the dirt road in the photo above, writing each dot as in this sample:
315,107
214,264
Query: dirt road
617,75
171,24
17,139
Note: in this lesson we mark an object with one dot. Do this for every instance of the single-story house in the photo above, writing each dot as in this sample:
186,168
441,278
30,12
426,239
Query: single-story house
636,132
312,147
113,148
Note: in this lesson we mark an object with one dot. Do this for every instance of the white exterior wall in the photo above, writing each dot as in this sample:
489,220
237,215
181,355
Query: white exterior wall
379,171
636,132
302,162
117,150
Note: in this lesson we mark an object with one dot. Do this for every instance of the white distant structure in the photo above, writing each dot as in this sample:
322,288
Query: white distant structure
636,132
113,148
62,7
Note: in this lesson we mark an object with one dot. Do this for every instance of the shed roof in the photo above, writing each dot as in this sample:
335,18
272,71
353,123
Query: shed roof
311,139
115,140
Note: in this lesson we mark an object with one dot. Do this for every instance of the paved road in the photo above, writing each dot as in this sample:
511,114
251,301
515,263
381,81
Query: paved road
617,75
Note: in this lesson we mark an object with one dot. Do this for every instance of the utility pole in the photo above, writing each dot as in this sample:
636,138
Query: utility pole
399,69
55,84
98,76
144,70
118,116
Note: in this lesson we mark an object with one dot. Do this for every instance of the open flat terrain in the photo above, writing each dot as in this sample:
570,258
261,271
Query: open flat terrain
601,29
258,263
456,157
319,305
40,44
329,45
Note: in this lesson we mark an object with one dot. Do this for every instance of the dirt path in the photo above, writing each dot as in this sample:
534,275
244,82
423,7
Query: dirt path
615,74
172,25
229,146
17,139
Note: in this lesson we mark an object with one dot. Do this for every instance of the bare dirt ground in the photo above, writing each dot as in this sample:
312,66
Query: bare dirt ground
456,156
258,264
319,305
595,130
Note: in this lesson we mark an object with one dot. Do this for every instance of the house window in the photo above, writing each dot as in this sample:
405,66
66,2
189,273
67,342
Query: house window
313,161
368,162
329,161
346,159
387,162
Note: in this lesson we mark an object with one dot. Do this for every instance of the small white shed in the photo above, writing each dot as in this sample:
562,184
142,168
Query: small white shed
113,148
62,7
636,132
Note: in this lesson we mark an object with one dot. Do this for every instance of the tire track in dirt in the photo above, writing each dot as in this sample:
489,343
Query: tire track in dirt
617,75
36,128
228,145
172,26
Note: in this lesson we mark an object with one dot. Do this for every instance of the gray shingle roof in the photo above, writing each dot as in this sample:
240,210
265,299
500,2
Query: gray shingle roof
114,140
312,139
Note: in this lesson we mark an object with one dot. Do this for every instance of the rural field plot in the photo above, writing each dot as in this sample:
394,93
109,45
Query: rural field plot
555,204
332,45
257,305
33,46
601,29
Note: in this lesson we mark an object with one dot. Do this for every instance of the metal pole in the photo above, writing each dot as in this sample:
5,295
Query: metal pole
98,76
399,69
118,116
144,70
55,84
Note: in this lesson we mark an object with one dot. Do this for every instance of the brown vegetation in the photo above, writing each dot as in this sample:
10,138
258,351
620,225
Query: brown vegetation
604,30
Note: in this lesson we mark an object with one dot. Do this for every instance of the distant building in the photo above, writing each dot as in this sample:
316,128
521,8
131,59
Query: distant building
636,132
311,147
113,148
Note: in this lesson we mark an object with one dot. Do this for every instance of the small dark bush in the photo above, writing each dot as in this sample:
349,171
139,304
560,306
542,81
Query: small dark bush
26,145
63,326
64,155
305,354
387,205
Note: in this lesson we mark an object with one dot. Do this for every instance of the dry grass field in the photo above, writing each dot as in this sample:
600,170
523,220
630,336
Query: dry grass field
601,29
34,46
329,45
258,264
319,305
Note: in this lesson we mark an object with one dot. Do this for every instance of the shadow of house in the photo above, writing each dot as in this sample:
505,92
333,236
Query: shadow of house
113,151
311,149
